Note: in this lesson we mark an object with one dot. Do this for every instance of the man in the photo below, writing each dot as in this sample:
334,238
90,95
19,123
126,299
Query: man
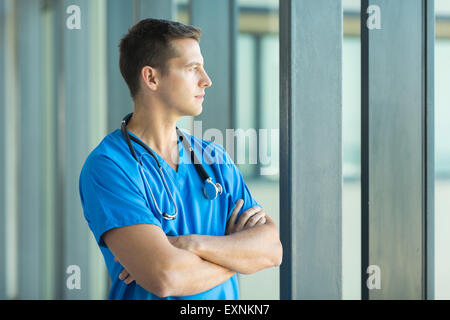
195,251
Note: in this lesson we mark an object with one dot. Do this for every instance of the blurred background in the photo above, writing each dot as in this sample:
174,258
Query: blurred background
61,92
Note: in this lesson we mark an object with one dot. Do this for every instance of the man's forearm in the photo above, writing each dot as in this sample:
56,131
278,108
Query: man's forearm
247,251
189,274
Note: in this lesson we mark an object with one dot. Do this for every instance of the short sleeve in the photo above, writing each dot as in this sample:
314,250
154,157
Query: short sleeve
110,199
236,184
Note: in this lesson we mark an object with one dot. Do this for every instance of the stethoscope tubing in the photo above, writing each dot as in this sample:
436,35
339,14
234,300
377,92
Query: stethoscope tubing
210,189
166,215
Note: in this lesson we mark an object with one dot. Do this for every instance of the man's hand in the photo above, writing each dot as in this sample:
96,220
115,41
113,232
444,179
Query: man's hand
124,275
251,242
248,219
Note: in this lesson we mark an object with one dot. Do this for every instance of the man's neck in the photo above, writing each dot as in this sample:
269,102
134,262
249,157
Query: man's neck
155,127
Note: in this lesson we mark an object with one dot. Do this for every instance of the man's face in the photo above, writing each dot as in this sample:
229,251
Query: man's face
182,88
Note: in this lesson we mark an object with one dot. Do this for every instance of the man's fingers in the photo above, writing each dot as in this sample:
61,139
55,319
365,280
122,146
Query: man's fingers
255,219
124,274
236,210
233,216
245,216
261,221
129,279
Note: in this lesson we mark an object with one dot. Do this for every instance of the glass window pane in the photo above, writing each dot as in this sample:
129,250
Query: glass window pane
351,150
258,113
442,150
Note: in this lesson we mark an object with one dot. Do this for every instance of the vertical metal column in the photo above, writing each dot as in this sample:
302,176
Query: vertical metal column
48,152
3,182
157,9
84,126
429,259
77,121
8,151
30,146
218,21
397,166
59,20
120,17
311,149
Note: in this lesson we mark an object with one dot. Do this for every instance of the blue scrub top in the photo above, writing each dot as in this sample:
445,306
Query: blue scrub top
114,194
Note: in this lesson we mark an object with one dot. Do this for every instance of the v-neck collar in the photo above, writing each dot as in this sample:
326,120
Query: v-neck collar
168,168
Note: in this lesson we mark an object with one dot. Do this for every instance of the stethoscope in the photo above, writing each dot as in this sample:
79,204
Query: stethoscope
210,189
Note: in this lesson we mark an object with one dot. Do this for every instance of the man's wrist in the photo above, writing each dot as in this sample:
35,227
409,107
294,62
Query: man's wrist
195,243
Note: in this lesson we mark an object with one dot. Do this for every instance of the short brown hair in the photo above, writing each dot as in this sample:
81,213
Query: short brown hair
148,43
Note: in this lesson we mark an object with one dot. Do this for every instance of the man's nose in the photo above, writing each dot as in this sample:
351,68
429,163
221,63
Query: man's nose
206,81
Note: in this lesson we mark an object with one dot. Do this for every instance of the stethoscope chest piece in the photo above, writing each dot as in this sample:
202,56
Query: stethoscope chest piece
211,189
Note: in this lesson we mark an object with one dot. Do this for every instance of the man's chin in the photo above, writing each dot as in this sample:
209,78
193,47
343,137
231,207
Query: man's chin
197,112
193,111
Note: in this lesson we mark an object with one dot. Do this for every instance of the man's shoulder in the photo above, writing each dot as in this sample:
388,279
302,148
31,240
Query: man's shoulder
109,152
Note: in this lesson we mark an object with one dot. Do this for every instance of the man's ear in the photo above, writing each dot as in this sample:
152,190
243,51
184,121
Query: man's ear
149,76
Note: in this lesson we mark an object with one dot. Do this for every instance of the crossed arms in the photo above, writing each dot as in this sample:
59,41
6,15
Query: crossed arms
190,264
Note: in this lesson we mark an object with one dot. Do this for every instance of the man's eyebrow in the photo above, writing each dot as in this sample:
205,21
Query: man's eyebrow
193,63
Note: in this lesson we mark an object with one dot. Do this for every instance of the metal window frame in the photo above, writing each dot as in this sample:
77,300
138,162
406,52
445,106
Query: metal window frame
410,276
311,176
